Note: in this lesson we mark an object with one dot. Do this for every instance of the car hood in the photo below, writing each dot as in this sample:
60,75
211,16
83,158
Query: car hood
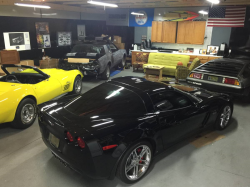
7,86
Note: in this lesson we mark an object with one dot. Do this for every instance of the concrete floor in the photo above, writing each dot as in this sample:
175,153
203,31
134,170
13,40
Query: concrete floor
26,161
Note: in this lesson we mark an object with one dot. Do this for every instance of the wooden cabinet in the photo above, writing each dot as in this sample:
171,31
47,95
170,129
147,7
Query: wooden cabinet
191,32
156,35
169,31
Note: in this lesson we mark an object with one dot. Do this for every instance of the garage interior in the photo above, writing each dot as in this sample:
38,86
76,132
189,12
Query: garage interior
211,158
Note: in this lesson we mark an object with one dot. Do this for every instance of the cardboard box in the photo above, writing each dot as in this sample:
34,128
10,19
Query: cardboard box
78,60
120,45
9,57
46,64
1,72
117,39
27,62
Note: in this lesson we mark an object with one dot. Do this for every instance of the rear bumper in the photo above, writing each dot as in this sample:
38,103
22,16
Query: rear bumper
98,166
219,88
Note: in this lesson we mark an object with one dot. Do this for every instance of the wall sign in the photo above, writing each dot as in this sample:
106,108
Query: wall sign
81,32
17,40
42,35
64,38
141,20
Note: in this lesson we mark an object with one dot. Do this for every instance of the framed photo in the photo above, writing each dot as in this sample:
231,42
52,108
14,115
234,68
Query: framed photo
212,50
204,51
64,38
17,40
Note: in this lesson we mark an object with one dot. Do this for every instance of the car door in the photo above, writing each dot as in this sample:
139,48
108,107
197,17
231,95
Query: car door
177,115
47,89
117,56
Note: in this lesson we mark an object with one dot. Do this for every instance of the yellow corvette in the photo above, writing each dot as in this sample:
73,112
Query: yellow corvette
24,87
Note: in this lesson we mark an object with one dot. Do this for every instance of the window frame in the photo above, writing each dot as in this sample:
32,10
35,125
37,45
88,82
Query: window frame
175,109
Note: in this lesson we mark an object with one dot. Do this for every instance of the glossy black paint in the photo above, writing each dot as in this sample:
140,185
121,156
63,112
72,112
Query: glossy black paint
238,68
99,127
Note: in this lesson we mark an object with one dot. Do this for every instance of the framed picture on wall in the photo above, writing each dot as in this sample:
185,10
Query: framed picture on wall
81,32
212,50
17,40
64,38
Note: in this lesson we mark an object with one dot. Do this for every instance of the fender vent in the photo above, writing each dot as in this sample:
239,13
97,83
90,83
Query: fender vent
66,87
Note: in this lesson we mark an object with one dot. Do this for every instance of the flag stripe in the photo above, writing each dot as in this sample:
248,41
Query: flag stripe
228,19
225,26
234,23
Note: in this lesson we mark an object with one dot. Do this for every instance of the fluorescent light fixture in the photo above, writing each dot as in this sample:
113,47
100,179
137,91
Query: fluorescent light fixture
137,13
32,6
214,1
102,4
203,12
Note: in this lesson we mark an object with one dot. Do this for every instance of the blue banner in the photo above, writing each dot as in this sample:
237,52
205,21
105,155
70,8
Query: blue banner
144,20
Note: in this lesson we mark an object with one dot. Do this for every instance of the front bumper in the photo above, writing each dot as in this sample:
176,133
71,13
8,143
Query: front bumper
232,90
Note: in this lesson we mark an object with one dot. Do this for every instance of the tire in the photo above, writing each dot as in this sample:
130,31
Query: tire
77,86
123,62
25,114
106,74
224,116
126,163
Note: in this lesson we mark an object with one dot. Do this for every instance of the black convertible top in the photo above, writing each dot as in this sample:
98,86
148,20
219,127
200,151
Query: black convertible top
226,66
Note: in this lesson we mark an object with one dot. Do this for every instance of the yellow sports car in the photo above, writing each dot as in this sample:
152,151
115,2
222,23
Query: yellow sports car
24,87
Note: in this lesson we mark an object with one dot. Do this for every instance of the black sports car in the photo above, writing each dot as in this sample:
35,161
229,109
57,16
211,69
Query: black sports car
102,55
117,127
226,75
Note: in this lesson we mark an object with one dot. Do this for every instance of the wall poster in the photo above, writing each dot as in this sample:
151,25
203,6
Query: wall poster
64,38
17,40
81,33
42,35
144,20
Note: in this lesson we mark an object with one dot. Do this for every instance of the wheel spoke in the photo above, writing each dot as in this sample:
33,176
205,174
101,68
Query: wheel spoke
136,170
129,168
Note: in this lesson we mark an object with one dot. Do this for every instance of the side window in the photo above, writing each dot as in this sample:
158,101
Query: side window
113,48
170,100
102,51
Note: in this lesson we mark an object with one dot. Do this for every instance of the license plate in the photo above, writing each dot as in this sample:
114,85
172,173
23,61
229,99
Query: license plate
54,140
212,78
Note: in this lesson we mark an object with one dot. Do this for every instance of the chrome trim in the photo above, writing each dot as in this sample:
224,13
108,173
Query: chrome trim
208,82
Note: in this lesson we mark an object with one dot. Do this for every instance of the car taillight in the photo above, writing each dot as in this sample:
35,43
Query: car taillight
196,75
80,142
231,81
70,137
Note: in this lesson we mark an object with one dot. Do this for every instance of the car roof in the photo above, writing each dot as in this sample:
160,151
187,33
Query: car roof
139,84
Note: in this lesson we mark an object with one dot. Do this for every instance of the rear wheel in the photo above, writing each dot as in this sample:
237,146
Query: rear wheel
77,85
106,74
224,117
25,114
135,162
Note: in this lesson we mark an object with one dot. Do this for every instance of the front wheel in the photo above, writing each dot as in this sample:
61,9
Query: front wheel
224,117
77,85
135,162
123,62
25,114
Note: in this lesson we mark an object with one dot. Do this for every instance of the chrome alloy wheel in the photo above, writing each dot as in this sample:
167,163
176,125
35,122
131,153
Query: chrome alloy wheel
108,72
138,162
78,85
225,116
28,113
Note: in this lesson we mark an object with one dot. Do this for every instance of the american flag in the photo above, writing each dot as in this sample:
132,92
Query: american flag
226,17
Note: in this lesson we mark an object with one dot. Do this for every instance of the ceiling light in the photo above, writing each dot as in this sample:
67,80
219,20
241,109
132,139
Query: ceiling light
203,12
33,6
214,1
102,4
137,13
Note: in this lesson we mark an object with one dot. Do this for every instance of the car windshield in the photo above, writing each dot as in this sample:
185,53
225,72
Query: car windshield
87,48
17,70
106,99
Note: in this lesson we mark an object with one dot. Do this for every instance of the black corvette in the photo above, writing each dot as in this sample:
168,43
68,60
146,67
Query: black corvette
231,76
117,127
